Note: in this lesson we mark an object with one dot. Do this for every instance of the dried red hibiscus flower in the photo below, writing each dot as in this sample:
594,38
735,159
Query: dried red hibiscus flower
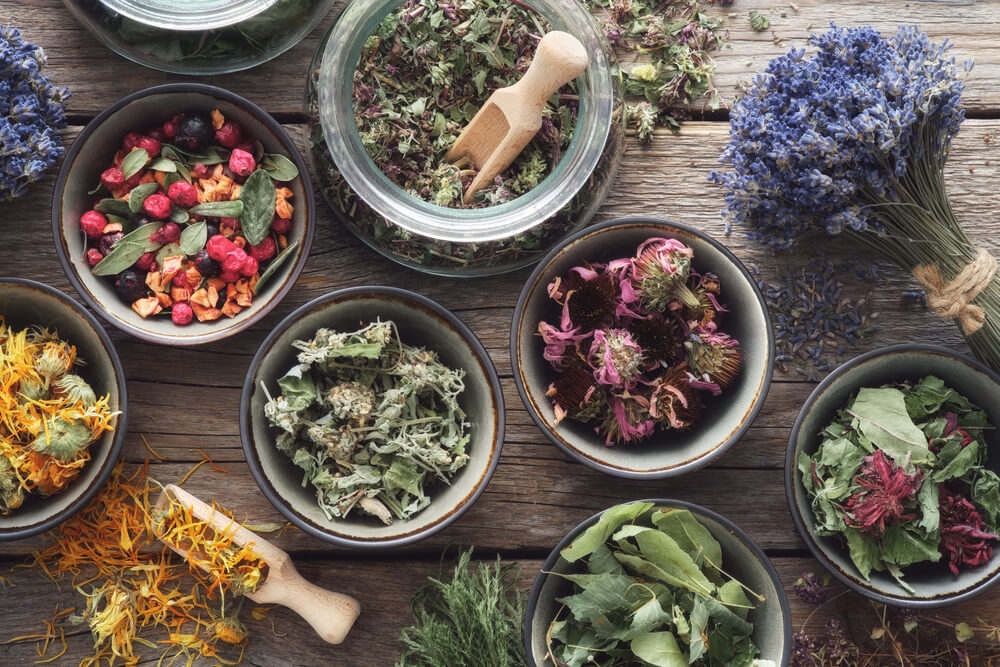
887,488
964,538
638,343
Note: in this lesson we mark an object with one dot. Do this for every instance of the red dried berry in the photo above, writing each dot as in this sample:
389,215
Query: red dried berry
157,133
218,247
229,276
250,267
232,223
199,170
241,162
179,280
181,313
171,232
281,225
113,179
145,261
157,206
94,256
264,250
134,180
130,141
234,260
93,224
169,129
151,145
229,135
183,194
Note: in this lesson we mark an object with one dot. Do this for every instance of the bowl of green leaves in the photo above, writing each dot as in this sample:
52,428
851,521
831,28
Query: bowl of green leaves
372,417
891,475
659,582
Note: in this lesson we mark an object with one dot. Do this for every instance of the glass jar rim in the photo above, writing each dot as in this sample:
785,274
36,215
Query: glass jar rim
189,16
336,110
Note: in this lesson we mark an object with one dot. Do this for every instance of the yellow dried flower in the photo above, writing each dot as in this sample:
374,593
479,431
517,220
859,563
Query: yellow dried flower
644,72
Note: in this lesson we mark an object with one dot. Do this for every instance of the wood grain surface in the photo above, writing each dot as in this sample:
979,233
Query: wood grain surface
187,399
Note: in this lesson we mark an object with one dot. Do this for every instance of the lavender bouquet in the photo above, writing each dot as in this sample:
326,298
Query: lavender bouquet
852,140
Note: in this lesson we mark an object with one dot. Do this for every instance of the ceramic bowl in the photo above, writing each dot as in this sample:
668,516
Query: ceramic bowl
91,153
25,303
741,557
667,453
933,583
420,322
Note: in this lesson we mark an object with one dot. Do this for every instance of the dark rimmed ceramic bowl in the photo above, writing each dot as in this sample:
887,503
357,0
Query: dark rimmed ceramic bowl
91,153
933,583
742,558
421,322
667,453
26,303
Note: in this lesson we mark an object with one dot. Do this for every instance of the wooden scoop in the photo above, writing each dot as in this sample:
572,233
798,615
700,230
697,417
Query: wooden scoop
330,614
513,115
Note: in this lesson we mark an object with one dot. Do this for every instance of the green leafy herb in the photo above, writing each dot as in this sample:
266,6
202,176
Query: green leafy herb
139,194
654,592
115,207
474,618
758,21
900,476
370,420
134,162
218,209
128,249
163,164
259,197
193,238
275,264
178,215
169,250
279,167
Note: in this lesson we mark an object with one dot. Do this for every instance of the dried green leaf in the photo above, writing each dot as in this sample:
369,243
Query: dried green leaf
169,250
193,238
219,209
279,167
259,197
115,207
122,256
139,194
275,264
134,162
163,164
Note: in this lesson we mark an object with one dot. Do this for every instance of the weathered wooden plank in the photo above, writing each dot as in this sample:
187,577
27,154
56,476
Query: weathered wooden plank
383,588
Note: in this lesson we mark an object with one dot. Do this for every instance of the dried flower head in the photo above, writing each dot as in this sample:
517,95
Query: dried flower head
352,402
11,489
628,420
63,439
230,630
714,355
659,336
886,489
964,538
660,272
570,390
54,360
31,390
616,358
111,615
76,390
590,300
810,588
675,403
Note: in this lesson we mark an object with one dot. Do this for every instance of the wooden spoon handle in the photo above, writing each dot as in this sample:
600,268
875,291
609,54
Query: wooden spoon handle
330,614
560,57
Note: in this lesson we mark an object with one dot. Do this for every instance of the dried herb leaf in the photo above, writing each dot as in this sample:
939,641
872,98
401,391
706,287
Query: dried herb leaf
169,250
279,167
259,197
178,215
163,164
170,179
219,209
211,155
115,207
758,21
139,194
275,264
193,238
123,255
134,162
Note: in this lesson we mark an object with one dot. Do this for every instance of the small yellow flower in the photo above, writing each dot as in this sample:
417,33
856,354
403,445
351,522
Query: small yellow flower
644,72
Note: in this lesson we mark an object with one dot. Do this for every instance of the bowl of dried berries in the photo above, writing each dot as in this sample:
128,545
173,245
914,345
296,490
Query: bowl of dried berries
62,407
892,475
372,417
642,348
657,582
183,213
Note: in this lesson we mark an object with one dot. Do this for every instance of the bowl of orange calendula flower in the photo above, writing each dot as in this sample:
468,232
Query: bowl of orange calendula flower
183,213
62,407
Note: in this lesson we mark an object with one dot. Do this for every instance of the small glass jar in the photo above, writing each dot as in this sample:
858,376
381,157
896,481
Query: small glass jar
203,37
461,242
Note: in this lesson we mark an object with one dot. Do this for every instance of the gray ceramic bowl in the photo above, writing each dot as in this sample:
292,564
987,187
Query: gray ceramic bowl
91,153
420,322
934,584
742,558
25,303
666,453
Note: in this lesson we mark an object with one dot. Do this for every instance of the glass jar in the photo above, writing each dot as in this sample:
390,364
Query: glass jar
199,38
461,241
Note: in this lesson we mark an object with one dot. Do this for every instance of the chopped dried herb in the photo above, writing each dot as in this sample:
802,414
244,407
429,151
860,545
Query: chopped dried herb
371,420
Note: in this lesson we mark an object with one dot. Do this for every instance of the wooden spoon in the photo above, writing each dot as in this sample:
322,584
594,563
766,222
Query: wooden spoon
330,614
513,115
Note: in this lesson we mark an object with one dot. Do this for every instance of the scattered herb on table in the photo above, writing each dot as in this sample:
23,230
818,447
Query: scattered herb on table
857,135
900,478
49,415
139,585
759,22
424,73
474,618
32,113
193,228
371,420
653,590
638,343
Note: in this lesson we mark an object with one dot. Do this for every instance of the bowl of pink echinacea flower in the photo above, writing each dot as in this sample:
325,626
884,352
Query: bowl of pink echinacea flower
642,348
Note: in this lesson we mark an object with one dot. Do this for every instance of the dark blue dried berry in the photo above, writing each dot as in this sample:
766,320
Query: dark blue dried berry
194,131
212,228
206,265
141,220
129,286
108,240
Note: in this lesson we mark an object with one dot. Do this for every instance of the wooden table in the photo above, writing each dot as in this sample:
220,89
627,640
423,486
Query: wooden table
187,398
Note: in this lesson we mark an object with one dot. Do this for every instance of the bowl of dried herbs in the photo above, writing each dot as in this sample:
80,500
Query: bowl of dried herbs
657,582
62,407
892,475
372,417
643,348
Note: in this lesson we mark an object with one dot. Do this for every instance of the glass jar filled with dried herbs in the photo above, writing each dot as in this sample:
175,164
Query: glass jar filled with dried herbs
394,83
205,37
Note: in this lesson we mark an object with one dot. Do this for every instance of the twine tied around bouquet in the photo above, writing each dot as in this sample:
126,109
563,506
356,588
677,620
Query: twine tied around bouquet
954,300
